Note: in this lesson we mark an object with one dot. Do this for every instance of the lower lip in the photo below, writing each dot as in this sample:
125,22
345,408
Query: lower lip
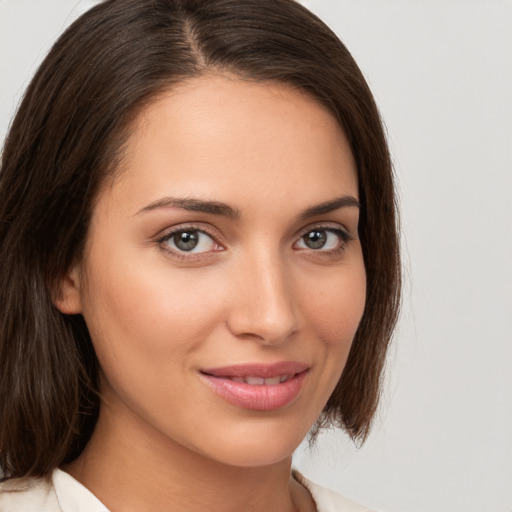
258,398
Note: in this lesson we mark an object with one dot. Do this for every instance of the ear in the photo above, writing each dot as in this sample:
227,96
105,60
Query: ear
68,297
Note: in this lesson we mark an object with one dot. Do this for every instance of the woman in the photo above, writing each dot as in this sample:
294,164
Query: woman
199,260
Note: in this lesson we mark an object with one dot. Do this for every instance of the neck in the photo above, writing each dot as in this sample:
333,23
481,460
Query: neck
130,468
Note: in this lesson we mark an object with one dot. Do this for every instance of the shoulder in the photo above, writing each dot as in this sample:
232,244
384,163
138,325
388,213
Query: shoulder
60,493
326,499
28,495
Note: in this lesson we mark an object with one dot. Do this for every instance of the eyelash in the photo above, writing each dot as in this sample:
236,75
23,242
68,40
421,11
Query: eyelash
342,234
161,242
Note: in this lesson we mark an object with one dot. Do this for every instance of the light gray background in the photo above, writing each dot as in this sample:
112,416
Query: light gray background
441,72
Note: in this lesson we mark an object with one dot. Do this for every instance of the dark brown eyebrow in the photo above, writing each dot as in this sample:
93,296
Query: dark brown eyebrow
218,208
330,206
194,205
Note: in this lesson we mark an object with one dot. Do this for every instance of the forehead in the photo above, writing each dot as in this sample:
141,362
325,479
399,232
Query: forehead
224,136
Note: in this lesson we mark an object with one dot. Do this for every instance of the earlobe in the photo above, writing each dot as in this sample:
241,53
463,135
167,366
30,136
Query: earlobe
67,298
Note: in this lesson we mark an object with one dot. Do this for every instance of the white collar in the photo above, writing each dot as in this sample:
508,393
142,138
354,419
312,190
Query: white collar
73,496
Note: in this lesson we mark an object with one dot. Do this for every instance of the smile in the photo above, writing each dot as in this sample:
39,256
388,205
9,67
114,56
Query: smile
258,387
261,381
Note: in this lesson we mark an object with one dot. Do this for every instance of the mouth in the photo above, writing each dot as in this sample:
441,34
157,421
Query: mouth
253,380
258,386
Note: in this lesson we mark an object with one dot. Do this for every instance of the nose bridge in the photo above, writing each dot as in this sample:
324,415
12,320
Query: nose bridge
265,304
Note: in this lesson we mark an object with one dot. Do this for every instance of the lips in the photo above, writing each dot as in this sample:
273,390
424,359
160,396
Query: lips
258,386
261,381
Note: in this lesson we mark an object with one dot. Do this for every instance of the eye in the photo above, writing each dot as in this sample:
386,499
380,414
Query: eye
323,239
189,240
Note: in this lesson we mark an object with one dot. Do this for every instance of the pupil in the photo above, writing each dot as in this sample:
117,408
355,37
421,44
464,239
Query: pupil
315,239
186,240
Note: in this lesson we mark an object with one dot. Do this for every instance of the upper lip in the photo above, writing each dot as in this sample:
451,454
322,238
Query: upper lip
266,371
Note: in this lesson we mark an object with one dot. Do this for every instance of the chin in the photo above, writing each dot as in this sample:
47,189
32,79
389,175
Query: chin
256,456
255,449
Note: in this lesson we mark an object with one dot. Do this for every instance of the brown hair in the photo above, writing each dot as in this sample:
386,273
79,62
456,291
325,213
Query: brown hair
66,139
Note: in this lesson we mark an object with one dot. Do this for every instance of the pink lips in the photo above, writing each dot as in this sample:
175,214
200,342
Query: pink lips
258,386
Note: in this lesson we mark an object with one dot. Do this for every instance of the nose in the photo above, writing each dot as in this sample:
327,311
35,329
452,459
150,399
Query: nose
264,307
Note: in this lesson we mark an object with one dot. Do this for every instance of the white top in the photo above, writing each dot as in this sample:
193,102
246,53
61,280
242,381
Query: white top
65,494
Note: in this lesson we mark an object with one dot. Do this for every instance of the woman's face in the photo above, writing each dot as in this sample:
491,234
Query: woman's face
223,279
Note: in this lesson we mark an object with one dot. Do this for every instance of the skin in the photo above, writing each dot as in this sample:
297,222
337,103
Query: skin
252,291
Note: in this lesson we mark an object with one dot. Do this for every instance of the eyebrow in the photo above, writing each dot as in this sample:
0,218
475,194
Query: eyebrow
194,205
224,210
330,206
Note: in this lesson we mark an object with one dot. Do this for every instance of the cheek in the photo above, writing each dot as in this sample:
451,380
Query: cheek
146,312
338,307
334,314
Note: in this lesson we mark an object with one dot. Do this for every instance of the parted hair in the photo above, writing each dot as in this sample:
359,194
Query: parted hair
66,140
